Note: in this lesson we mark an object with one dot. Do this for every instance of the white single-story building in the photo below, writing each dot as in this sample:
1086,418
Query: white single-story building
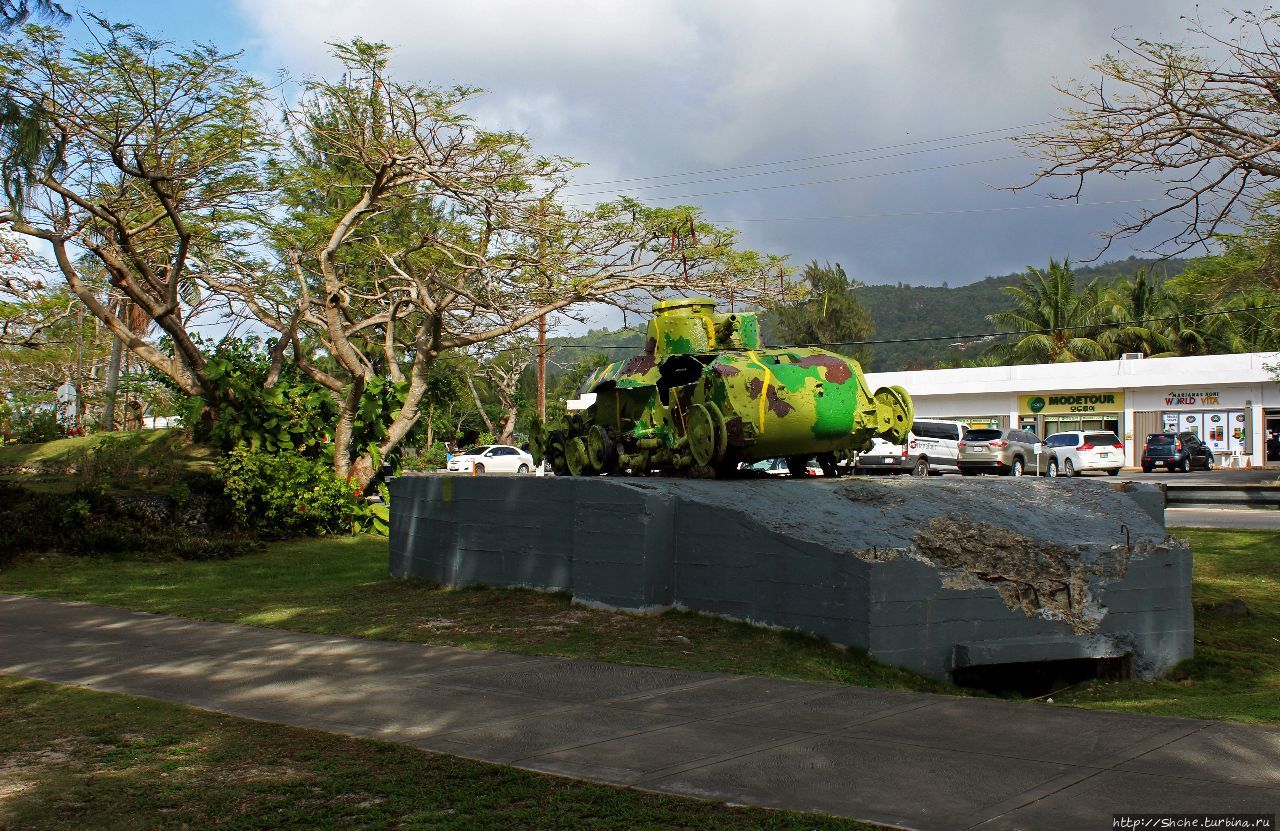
1231,401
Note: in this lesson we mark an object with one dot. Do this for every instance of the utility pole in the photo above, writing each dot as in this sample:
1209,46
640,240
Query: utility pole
542,368
542,319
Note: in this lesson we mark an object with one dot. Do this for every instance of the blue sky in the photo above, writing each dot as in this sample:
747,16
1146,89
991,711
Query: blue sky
897,112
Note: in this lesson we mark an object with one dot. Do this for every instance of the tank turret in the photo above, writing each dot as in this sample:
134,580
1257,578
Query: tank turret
706,395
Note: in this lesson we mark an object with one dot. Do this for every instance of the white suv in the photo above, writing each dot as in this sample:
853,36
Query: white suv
1074,452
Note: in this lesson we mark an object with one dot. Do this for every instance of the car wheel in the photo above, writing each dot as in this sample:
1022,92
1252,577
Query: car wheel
967,472
1147,468
1115,471
479,468
522,469
1185,466
1208,463
921,468
1052,471
1017,468
1069,468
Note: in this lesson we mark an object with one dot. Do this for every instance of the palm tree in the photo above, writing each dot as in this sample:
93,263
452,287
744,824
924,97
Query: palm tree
1060,317
1195,328
1129,304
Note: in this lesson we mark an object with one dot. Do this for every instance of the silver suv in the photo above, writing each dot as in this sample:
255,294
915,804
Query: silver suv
1007,452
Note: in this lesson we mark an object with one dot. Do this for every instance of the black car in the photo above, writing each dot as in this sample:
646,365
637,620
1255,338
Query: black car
1176,451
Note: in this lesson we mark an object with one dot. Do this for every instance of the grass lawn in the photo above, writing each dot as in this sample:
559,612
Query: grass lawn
339,586
75,759
1235,674
121,458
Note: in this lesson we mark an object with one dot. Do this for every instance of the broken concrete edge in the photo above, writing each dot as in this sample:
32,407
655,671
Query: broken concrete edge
708,548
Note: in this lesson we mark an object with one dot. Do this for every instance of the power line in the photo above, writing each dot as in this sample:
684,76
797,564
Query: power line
808,158
984,335
790,169
944,212
818,181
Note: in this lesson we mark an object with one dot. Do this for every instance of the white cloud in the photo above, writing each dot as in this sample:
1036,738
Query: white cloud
651,87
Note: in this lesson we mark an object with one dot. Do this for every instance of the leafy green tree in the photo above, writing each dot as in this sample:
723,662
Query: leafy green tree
150,168
1062,316
831,314
412,232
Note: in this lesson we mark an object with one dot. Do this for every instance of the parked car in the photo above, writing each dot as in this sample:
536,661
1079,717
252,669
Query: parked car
1176,451
1073,452
778,467
492,458
1007,452
932,447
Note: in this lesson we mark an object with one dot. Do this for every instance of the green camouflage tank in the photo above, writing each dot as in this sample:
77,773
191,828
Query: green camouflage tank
706,396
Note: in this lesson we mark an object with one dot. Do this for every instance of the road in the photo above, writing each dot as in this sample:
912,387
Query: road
1228,518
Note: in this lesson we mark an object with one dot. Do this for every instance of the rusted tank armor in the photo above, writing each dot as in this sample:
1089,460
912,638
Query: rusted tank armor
706,395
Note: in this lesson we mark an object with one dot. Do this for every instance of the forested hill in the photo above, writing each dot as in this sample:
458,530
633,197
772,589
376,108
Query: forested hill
903,311
899,311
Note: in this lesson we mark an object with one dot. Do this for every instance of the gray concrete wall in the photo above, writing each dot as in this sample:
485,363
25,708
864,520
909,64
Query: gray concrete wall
844,560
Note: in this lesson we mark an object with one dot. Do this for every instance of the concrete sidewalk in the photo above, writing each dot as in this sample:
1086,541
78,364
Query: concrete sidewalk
907,759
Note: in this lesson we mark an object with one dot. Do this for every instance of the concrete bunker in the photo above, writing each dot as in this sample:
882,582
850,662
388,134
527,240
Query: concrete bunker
959,579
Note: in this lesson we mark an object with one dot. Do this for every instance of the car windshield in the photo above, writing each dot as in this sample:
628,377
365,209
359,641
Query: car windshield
982,435
1101,438
1159,441
474,451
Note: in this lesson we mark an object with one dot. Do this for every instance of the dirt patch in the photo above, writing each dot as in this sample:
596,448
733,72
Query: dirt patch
1036,577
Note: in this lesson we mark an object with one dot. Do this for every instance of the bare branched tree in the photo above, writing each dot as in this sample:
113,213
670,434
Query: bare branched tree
1203,118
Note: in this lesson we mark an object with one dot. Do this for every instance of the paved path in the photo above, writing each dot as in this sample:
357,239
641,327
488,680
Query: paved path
907,759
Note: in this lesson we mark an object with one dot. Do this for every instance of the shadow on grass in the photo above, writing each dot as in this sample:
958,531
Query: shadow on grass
76,759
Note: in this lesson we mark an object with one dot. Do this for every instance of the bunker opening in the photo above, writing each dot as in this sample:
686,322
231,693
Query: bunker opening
1033,679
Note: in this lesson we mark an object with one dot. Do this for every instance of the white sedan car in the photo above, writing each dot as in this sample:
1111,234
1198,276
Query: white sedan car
492,458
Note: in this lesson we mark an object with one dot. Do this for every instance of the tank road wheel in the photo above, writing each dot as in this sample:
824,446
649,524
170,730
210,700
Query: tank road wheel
722,429
700,428
556,453
537,440
575,456
600,450
895,413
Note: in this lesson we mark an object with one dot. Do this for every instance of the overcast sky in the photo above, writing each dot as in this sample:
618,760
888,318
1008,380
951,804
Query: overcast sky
900,109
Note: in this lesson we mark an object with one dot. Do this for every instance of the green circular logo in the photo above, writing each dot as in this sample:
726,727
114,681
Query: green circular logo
1035,404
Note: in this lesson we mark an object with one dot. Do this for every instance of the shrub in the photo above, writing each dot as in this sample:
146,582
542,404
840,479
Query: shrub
286,495
90,522
31,425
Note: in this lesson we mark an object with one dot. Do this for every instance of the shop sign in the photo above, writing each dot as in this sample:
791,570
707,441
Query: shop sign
1193,399
1071,402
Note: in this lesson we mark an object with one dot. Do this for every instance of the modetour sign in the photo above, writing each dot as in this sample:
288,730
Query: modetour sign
1072,402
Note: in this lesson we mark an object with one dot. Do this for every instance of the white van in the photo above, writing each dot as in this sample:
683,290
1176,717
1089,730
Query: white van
932,447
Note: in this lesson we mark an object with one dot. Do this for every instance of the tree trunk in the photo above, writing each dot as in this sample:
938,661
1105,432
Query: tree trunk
342,432
110,385
475,394
508,426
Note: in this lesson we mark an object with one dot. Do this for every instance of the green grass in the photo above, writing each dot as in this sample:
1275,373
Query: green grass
1235,674
74,759
134,460
339,586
